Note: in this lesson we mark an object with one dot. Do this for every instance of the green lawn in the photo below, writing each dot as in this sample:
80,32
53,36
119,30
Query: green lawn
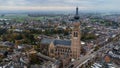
22,17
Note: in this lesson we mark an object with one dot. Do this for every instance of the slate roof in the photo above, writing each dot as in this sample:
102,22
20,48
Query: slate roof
9,44
56,42
46,41
62,42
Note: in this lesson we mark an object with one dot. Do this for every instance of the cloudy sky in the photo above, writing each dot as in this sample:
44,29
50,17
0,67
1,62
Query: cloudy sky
99,5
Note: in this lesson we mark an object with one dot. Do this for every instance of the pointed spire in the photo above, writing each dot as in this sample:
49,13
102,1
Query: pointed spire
76,17
76,10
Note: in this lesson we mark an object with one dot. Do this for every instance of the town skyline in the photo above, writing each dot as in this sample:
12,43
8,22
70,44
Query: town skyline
49,40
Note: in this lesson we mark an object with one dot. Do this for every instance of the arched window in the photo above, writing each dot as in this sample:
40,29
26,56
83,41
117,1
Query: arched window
75,34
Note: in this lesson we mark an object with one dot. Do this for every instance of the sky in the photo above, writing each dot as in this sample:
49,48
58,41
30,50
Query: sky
94,5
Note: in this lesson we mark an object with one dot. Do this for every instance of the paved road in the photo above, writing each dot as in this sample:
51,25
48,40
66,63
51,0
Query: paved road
84,59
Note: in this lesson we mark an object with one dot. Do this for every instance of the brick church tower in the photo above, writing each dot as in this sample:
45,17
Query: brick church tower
76,42
76,37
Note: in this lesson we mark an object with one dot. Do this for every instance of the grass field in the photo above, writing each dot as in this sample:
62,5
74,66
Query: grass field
21,17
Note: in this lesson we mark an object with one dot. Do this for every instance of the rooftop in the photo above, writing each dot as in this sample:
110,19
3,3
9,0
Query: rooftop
62,42
46,41
56,42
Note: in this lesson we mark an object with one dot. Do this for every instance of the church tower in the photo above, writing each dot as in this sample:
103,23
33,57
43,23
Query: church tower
76,42
76,38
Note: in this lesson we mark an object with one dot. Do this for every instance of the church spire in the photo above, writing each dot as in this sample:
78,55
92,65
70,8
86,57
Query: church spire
76,17
76,10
